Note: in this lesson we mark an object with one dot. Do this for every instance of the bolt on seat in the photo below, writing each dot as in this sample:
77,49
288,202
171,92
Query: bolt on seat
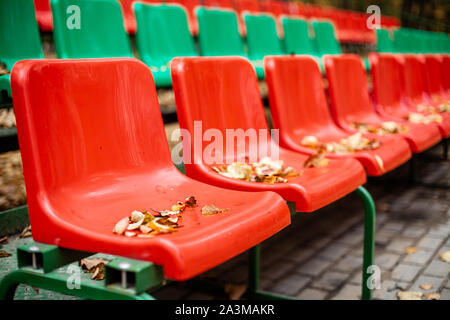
95,149
299,108
223,94
350,102
388,97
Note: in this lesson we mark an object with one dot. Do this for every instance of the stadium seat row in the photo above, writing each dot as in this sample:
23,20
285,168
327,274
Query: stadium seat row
350,25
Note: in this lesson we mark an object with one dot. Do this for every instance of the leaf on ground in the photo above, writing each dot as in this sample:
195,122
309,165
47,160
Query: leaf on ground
235,291
212,209
410,250
445,256
26,232
4,254
4,240
95,266
409,295
427,286
432,296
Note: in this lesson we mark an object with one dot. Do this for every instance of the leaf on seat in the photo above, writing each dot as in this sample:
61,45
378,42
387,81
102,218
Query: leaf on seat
212,209
317,160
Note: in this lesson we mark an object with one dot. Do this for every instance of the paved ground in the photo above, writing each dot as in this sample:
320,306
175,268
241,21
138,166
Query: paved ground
319,256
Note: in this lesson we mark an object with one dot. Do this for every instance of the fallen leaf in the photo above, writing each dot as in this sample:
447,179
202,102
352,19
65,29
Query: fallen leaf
4,254
235,291
432,296
4,240
212,209
427,286
410,250
409,295
91,263
26,232
445,256
316,160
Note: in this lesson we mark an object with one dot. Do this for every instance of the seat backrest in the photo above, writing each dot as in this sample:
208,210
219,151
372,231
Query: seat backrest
402,41
296,95
190,6
296,37
44,15
19,32
388,84
275,7
348,91
219,3
247,5
325,38
218,33
162,34
384,41
262,38
415,90
91,130
101,32
222,93
432,75
445,73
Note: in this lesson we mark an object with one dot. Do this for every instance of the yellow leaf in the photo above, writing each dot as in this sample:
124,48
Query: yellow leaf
409,295
432,296
410,250
445,256
427,286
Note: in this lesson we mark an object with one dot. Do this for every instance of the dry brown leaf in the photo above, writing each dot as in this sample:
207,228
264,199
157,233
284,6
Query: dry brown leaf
235,291
4,70
4,254
427,286
91,263
212,209
316,160
409,295
26,232
432,296
4,240
445,256
410,250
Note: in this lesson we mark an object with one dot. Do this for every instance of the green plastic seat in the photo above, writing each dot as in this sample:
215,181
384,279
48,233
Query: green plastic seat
325,39
101,33
262,37
384,42
219,35
162,34
19,36
297,39
402,41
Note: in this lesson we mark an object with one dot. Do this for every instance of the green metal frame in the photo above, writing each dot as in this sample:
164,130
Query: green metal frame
39,266
369,248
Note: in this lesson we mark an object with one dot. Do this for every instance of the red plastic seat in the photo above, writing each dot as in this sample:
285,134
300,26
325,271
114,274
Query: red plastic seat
190,6
223,94
415,92
228,4
43,14
95,149
445,73
388,92
299,108
350,101
242,6
434,70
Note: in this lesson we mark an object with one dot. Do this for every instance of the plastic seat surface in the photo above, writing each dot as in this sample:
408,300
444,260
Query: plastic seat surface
219,35
101,33
223,94
433,69
296,37
262,38
350,101
299,108
90,157
44,15
163,33
384,42
324,38
190,6
388,92
445,73
415,91
19,36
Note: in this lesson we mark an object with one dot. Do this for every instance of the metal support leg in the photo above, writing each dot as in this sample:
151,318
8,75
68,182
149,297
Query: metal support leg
369,239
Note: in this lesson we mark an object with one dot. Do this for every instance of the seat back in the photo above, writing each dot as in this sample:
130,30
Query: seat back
219,3
162,34
296,37
414,79
384,41
432,75
445,73
402,41
91,131
247,5
44,15
222,93
325,38
101,32
218,33
388,84
296,96
262,38
19,33
190,6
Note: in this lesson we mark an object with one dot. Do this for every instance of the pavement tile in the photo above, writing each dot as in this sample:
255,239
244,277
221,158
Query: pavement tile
291,284
419,257
348,292
312,294
436,282
330,280
398,245
437,268
428,242
314,267
405,272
